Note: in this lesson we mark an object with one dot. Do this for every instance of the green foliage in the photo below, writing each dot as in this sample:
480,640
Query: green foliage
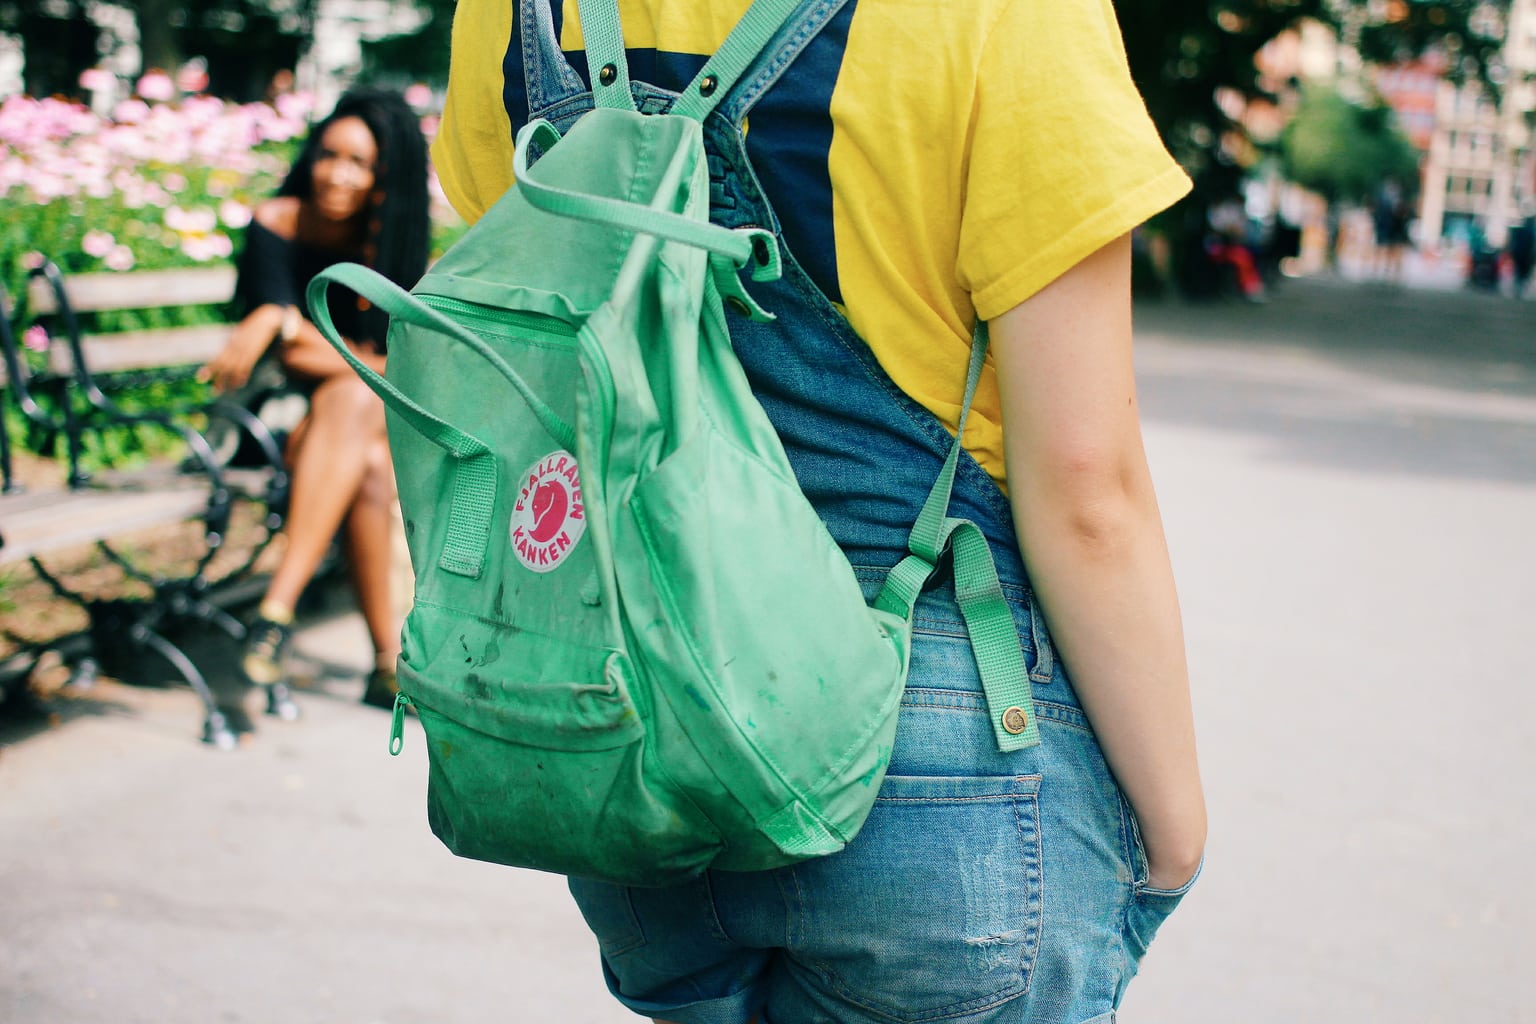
1182,52
421,56
1343,150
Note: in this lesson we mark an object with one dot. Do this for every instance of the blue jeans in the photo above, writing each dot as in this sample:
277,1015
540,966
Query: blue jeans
985,886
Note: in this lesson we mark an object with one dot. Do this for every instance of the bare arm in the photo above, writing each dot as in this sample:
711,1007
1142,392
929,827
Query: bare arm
1092,536
307,354
310,355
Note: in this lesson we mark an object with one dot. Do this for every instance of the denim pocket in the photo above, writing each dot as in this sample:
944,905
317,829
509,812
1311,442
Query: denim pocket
935,908
1148,910
610,914
1149,906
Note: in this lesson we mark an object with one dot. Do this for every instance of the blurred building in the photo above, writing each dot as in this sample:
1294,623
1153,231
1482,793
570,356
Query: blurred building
1479,172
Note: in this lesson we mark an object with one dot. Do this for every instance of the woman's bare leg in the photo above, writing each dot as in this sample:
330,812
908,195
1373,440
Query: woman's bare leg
329,465
370,548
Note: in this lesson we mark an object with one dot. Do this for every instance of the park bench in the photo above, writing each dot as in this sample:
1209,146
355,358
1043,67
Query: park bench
65,392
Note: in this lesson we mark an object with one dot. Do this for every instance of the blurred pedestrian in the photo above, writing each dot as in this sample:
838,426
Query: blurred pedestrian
357,192
1391,216
1522,252
1227,246
925,167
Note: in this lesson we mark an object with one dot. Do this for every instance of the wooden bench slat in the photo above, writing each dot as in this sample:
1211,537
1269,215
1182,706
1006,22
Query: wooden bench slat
140,289
34,524
145,350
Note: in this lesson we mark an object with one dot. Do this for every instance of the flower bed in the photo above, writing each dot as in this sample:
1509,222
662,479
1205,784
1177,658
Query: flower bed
155,185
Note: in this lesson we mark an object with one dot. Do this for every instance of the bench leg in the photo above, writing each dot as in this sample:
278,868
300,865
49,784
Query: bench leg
216,730
280,703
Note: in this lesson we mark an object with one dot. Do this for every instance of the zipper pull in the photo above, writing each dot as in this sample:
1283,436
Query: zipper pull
397,724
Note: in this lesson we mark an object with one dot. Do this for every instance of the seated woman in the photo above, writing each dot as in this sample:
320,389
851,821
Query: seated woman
357,192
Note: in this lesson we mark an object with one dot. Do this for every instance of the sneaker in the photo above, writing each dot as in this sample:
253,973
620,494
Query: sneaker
265,642
381,689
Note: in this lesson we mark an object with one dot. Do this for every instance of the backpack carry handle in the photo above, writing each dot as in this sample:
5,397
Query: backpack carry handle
473,465
741,245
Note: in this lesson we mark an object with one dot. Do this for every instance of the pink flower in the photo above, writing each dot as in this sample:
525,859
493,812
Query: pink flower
193,77
130,112
156,86
173,182
206,247
35,338
97,243
234,213
419,96
120,258
197,221
295,106
96,79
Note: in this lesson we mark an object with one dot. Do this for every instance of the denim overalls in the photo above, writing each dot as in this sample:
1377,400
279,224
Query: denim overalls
985,886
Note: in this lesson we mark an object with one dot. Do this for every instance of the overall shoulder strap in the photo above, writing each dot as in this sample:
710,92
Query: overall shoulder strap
548,77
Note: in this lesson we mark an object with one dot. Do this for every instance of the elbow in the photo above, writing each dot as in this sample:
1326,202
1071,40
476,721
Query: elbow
1096,506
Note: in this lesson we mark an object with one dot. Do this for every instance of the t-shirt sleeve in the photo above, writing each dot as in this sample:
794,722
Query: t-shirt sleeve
265,271
472,152
1063,156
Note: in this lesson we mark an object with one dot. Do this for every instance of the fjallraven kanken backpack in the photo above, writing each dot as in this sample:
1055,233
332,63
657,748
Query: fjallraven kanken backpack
635,650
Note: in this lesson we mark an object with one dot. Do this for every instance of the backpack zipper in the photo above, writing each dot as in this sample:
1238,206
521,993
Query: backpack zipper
397,723
502,323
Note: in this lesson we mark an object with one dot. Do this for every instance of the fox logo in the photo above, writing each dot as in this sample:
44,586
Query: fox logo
548,517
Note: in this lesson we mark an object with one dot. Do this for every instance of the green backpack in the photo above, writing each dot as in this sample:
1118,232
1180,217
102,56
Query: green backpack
635,650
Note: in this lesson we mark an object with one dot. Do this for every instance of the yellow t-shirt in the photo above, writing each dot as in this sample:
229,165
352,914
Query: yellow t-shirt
931,162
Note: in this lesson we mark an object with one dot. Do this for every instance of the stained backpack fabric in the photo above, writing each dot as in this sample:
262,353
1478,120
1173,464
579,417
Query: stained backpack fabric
635,649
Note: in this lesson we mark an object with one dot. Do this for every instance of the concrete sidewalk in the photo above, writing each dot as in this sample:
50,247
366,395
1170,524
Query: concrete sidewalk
145,877
1348,477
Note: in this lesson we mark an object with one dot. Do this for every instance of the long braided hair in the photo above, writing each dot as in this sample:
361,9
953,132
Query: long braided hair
397,236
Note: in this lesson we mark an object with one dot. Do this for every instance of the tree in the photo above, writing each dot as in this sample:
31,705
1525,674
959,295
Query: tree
1346,151
421,56
243,41
1185,53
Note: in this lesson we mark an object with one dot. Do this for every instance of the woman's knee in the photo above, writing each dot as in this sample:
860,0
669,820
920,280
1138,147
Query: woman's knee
347,398
378,484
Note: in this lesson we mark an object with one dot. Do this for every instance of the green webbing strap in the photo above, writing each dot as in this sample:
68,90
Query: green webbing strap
474,464
606,64
719,74
978,592
738,244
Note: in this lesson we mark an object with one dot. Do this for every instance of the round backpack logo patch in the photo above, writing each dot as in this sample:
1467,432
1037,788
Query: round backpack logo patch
548,518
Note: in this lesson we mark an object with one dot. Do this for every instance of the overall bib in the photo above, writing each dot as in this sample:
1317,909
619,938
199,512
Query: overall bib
985,886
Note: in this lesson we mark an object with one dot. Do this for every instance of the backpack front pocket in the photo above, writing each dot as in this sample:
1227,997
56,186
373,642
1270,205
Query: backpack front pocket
544,772
752,633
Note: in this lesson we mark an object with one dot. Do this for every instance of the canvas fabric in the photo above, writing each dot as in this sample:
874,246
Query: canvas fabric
636,650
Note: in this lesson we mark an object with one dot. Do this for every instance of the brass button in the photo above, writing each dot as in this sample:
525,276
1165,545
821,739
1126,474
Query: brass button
708,84
1015,721
737,306
608,74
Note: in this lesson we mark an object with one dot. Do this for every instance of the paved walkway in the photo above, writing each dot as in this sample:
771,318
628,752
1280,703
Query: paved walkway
1349,480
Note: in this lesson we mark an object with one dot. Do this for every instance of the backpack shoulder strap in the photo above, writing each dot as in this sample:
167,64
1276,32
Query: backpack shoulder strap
719,75
603,38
